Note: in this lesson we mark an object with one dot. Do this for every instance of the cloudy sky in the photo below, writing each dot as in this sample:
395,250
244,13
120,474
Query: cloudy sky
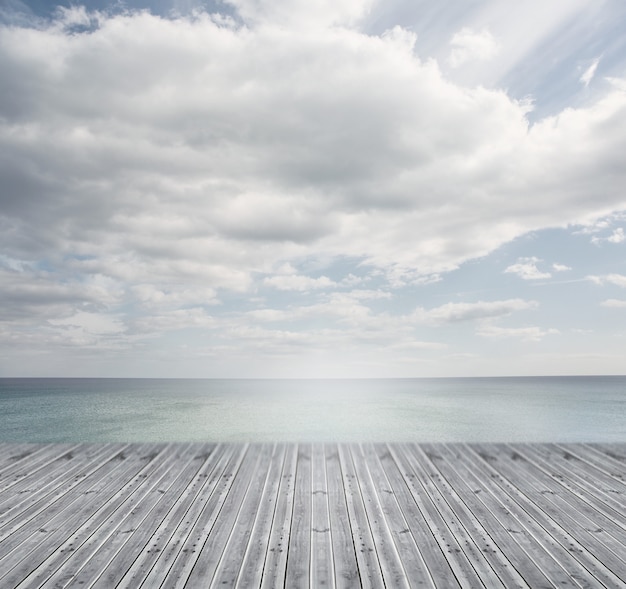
327,188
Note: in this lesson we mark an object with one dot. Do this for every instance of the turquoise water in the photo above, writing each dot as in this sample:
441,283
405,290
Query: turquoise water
537,409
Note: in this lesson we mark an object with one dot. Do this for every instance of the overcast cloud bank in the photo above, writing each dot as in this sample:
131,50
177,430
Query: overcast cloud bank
160,174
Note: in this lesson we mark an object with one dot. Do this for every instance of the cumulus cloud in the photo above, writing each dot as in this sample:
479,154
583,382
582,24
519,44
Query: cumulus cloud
302,13
468,45
616,237
455,312
175,146
164,164
560,267
526,268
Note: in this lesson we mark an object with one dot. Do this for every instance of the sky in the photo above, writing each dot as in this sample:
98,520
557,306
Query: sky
297,188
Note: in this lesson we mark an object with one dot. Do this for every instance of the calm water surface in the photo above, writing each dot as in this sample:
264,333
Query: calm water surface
538,409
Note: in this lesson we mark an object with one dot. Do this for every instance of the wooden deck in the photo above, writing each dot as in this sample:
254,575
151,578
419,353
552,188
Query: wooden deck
262,515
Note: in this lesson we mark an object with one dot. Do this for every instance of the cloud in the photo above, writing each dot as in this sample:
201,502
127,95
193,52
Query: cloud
616,237
160,165
526,268
590,72
616,279
298,282
614,303
560,267
455,312
302,13
92,323
531,334
469,45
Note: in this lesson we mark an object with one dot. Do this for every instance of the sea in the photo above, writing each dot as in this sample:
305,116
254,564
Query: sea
508,409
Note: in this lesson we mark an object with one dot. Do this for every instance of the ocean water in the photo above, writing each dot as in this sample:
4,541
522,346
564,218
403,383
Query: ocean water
530,409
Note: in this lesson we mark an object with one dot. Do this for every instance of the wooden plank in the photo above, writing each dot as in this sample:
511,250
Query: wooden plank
614,450
413,563
370,571
391,564
419,524
563,559
211,552
226,569
299,552
95,547
579,516
37,515
440,523
11,453
525,556
166,537
609,466
275,563
576,480
33,544
251,570
33,466
179,555
476,544
322,569
262,515
146,517
41,486
343,551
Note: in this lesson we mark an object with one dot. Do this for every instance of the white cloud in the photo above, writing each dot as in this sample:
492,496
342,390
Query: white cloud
298,282
469,45
154,166
302,13
173,320
590,72
560,267
616,279
93,323
617,236
454,312
209,169
614,303
526,268
532,334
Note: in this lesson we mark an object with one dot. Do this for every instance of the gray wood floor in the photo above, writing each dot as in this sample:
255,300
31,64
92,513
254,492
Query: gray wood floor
262,515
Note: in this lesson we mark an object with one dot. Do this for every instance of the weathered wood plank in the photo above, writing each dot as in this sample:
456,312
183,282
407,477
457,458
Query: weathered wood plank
299,556
276,557
96,542
43,486
179,555
479,548
417,523
211,553
164,536
148,513
229,565
370,571
312,515
49,535
390,560
343,551
575,479
251,571
562,558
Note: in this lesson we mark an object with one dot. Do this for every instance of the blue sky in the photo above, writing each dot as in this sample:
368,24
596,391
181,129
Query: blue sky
289,188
